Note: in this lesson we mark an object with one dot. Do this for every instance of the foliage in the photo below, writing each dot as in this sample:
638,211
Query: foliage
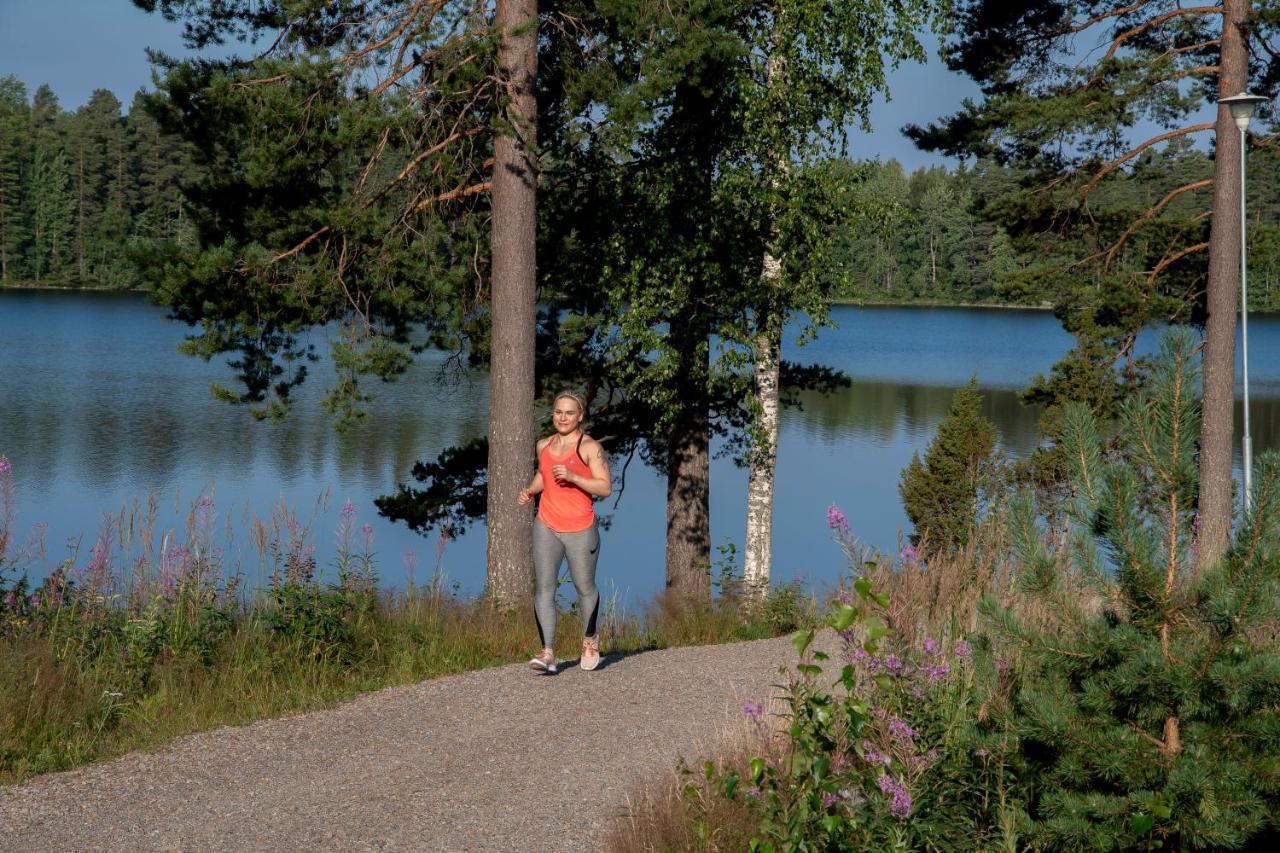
80,191
944,494
1145,710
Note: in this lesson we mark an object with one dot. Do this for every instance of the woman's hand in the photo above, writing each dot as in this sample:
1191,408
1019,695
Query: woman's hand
525,497
563,474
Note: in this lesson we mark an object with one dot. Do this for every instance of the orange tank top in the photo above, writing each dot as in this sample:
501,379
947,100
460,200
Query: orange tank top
564,508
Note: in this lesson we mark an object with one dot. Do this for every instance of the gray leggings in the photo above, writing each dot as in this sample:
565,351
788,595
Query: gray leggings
549,551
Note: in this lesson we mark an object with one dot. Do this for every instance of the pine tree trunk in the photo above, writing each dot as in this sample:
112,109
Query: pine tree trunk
762,462
1217,417
689,472
514,293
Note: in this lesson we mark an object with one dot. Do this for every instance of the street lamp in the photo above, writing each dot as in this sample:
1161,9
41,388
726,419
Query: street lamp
1242,107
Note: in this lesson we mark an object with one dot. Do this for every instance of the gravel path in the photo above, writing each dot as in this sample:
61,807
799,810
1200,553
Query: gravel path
501,759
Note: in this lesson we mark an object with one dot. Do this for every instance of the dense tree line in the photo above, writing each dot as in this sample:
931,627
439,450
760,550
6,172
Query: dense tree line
939,234
80,190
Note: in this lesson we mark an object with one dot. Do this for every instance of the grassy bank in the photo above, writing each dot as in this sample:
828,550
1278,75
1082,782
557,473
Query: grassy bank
154,636
84,678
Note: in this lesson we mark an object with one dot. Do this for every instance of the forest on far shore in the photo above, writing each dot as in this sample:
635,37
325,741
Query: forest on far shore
81,191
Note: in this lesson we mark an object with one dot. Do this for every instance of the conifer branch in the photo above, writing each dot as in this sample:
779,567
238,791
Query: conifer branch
1081,26
1110,252
1119,40
1167,260
1112,165
298,248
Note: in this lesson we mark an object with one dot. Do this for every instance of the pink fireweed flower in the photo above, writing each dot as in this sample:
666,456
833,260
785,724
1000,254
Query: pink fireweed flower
909,554
753,709
836,519
936,673
6,468
348,509
899,730
962,651
931,645
900,806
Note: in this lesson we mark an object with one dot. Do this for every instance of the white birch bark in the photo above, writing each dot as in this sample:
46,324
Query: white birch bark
757,558
762,462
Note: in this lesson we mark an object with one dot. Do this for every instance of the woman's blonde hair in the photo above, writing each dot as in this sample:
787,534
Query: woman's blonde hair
575,397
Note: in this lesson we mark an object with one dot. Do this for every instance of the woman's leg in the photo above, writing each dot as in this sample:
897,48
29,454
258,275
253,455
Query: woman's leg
548,554
583,550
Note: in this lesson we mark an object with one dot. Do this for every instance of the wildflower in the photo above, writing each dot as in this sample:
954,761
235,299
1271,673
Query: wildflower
753,709
962,650
5,467
981,752
860,655
893,664
829,799
206,502
931,645
909,554
753,791
366,529
900,806
836,519
1002,666
10,599
899,730
916,692
937,673
871,755
348,509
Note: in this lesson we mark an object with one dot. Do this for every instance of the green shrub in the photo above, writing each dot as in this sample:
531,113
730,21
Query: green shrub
1147,706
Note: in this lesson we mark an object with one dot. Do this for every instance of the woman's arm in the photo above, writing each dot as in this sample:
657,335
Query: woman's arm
600,483
535,485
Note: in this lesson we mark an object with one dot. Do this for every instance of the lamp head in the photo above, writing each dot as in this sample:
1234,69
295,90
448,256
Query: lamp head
1242,107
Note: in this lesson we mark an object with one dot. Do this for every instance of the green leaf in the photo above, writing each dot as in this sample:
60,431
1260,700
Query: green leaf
809,670
844,617
863,587
876,629
1141,824
757,770
802,641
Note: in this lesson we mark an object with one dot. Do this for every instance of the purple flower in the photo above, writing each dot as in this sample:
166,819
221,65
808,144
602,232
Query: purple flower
836,519
34,599
899,730
900,807
753,709
829,799
366,529
936,673
931,645
348,509
962,650
753,791
5,467
10,599
908,554
871,755
206,503
893,664
860,655
1002,667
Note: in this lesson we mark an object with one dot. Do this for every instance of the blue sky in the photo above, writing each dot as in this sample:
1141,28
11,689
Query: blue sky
77,46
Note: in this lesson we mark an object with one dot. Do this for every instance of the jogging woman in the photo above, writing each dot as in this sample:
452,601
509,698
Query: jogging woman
572,471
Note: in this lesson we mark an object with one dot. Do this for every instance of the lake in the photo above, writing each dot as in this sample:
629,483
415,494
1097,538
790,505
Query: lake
99,410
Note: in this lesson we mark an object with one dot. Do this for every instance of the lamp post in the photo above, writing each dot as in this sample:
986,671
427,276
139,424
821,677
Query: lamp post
1242,107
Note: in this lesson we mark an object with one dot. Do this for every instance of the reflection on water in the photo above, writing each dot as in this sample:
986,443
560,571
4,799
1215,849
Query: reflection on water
98,408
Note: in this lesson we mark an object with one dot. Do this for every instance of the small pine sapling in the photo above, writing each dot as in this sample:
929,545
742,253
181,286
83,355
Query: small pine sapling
1147,705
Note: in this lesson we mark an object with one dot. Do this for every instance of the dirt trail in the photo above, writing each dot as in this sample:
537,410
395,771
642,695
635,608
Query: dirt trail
500,759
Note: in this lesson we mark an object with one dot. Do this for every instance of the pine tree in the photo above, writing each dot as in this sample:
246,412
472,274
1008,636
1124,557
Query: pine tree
14,122
943,493
1148,708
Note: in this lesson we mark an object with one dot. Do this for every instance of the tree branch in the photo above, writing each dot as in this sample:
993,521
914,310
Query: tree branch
1155,22
1134,152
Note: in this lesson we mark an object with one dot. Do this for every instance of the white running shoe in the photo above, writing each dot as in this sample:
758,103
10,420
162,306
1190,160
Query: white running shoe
545,661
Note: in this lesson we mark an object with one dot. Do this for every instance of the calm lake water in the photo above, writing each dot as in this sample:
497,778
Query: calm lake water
97,410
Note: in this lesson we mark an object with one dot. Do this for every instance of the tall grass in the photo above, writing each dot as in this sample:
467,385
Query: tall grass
151,637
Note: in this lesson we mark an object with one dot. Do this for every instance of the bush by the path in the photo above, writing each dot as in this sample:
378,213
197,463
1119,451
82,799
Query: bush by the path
1069,683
